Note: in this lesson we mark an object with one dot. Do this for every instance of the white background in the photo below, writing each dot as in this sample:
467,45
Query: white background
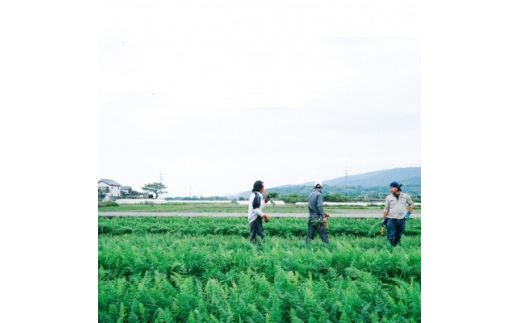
49,127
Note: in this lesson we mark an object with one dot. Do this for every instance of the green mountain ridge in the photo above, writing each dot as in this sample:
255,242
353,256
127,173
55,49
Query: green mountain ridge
373,184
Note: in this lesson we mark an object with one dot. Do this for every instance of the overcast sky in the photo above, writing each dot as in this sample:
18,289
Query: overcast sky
216,96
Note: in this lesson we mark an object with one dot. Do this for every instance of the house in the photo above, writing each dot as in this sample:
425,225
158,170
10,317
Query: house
127,192
112,189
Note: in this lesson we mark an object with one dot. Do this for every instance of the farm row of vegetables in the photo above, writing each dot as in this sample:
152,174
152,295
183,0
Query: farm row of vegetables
235,208
283,227
193,270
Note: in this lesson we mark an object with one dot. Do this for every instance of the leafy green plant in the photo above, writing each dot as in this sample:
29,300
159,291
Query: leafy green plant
189,273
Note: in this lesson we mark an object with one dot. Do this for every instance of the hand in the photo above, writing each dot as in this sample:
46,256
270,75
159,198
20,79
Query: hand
324,220
407,215
266,218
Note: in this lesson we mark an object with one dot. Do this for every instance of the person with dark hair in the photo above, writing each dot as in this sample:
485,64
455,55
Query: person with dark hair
255,214
396,213
317,218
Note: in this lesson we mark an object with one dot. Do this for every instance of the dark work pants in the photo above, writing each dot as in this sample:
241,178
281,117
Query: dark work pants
256,229
321,231
395,230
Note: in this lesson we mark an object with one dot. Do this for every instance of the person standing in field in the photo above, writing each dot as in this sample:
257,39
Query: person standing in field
317,217
398,207
255,214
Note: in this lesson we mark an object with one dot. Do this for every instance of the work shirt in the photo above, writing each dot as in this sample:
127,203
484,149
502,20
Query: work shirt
256,204
397,206
316,205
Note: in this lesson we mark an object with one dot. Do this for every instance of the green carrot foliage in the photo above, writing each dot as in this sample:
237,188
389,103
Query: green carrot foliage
206,270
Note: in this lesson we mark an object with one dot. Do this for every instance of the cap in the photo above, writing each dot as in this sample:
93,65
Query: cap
395,184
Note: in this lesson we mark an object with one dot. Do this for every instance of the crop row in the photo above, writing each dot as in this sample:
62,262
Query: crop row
281,227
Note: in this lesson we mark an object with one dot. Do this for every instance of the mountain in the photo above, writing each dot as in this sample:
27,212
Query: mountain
407,176
373,182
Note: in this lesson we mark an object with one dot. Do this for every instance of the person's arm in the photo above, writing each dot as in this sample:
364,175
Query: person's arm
384,221
258,212
319,206
409,201
263,191
263,201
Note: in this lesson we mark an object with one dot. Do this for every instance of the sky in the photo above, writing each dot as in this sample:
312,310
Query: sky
209,98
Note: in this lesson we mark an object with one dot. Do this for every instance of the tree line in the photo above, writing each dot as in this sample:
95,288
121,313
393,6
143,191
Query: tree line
300,193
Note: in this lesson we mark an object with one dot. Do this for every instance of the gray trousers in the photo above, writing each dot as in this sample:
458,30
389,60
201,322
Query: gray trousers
321,231
256,229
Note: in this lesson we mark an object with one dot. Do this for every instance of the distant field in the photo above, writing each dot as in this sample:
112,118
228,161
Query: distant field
236,208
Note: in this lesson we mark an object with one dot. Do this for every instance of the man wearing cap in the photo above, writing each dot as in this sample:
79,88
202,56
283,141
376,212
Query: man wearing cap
396,205
316,214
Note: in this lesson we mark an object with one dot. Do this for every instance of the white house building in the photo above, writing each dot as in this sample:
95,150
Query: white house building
109,187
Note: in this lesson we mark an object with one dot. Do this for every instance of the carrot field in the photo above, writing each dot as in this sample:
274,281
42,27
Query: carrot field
178,269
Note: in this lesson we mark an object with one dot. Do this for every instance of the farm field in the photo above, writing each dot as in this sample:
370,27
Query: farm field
205,269
236,208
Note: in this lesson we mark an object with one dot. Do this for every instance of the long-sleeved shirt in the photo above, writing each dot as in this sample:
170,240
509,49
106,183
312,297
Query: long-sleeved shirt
397,206
256,204
316,206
